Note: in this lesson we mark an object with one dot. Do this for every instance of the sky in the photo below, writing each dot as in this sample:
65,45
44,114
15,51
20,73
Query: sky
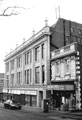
32,14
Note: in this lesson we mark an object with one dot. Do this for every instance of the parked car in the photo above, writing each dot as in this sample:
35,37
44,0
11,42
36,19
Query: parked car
12,105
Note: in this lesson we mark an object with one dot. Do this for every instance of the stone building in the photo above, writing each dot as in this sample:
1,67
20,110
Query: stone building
27,68
66,76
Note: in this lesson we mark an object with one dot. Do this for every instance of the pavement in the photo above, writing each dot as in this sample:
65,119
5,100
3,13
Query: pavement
50,113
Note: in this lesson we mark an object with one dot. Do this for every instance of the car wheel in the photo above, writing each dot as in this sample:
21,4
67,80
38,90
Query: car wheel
5,107
9,107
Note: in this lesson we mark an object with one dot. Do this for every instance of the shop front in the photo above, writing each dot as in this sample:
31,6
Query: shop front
63,97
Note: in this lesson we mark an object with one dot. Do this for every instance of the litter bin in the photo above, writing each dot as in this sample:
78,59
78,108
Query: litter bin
45,105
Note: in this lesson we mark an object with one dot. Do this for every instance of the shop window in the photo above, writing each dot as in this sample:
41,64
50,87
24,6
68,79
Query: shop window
31,100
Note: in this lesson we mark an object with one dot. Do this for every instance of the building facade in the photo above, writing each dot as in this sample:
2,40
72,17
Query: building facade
66,76
27,70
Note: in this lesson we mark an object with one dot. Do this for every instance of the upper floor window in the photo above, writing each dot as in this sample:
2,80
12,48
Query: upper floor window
67,66
37,75
67,38
43,48
80,31
43,73
12,64
12,79
7,67
19,77
57,68
37,54
72,30
19,61
27,76
28,58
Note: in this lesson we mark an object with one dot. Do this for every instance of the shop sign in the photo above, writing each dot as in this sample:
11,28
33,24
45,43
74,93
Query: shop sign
30,92
61,87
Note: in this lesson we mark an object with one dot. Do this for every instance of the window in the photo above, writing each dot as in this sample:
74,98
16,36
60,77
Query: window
37,74
43,73
67,40
57,68
67,66
80,31
72,30
43,48
7,77
28,58
12,64
37,54
12,79
19,77
30,75
19,61
27,76
7,67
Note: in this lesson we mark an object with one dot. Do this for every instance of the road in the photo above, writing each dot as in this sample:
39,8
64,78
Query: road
6,114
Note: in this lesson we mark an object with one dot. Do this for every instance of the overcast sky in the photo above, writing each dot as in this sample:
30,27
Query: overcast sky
13,29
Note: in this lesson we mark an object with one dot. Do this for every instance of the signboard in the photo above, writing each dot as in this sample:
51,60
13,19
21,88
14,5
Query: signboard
61,87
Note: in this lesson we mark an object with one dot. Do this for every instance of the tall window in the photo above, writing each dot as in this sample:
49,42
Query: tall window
37,54
67,65
19,61
19,77
27,76
37,75
43,48
12,79
57,68
12,64
28,57
7,77
67,40
7,67
43,73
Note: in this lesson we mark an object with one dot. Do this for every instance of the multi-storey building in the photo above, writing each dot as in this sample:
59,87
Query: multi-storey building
66,74
27,68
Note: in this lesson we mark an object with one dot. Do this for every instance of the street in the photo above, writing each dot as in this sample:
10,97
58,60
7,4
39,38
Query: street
7,114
